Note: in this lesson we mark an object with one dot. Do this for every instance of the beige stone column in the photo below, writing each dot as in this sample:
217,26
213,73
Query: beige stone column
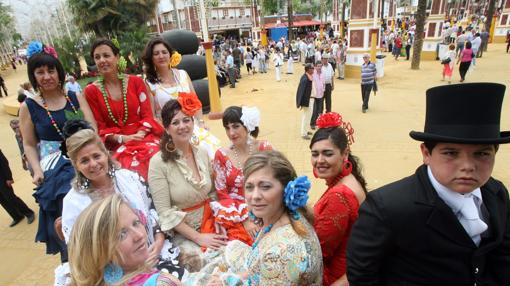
502,24
433,30
361,26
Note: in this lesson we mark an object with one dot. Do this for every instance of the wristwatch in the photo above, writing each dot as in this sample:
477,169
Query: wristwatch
120,139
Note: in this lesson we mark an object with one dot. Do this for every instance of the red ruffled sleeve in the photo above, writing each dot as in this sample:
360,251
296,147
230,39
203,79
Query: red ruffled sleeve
335,213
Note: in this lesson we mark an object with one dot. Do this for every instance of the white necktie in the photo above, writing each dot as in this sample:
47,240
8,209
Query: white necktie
470,219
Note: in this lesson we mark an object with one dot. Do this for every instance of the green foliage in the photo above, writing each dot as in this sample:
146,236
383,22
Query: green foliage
108,18
69,51
132,44
6,22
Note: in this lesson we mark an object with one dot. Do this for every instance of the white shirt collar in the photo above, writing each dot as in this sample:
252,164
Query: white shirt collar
451,198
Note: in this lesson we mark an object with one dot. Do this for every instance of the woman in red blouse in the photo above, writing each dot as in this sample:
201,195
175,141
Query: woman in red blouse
122,110
337,209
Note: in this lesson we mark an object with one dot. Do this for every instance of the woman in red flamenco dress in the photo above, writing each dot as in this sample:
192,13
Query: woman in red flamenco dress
337,209
122,110
230,211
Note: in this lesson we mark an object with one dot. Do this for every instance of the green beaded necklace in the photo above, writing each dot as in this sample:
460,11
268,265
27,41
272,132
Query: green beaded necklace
124,99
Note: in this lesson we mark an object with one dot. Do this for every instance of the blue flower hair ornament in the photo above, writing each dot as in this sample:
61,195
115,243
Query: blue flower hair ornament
296,195
34,47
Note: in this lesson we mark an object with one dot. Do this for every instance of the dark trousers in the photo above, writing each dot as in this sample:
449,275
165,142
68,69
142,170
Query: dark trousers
408,51
366,89
232,76
507,46
318,108
2,85
14,206
463,68
327,97
483,48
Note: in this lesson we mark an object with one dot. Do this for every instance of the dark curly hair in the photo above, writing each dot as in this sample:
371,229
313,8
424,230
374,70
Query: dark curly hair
339,138
150,69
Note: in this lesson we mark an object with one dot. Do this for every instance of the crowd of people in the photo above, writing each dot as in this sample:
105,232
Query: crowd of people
129,193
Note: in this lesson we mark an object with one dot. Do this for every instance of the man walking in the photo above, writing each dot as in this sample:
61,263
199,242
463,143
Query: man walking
2,86
368,78
16,208
303,95
329,78
341,57
319,85
231,69
484,36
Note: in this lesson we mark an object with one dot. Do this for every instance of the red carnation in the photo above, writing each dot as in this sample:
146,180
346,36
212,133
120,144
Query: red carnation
189,102
330,119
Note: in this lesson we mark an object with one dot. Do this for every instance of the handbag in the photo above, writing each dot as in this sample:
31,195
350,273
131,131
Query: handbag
446,61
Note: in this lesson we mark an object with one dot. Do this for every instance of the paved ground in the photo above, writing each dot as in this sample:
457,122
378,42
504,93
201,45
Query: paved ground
382,142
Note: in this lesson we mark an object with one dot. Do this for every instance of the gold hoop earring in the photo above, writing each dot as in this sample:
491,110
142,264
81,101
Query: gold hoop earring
170,147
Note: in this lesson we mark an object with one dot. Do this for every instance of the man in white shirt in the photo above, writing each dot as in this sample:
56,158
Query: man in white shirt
475,46
231,69
329,76
72,85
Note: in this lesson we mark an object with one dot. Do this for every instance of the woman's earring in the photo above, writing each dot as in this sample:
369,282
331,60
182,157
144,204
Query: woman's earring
346,168
111,172
83,182
314,171
170,146
112,273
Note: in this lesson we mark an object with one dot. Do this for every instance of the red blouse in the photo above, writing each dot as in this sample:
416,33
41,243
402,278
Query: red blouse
133,155
335,214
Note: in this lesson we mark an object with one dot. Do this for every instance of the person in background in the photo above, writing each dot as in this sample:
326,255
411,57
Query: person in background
409,42
231,69
329,78
368,80
12,204
318,86
476,45
507,41
341,58
249,59
461,41
2,86
303,95
449,222
465,58
72,85
484,36
278,63
449,63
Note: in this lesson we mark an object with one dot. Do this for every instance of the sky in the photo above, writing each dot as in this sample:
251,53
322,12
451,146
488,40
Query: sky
26,10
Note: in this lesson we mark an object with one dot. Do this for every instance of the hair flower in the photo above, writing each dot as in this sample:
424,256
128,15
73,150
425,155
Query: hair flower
250,117
51,51
296,194
121,64
34,47
175,59
189,102
330,119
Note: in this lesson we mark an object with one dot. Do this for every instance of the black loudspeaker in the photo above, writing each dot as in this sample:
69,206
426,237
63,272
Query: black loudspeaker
184,41
201,87
194,65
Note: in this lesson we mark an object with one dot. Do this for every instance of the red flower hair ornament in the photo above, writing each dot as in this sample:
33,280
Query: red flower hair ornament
332,120
189,102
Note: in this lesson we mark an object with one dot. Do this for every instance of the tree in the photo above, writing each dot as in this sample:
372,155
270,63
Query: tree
107,18
68,51
490,15
132,44
290,19
419,34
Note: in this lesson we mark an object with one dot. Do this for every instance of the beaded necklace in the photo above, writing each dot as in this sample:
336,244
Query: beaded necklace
52,120
264,232
124,99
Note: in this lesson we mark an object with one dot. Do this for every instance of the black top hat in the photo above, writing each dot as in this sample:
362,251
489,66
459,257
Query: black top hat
464,113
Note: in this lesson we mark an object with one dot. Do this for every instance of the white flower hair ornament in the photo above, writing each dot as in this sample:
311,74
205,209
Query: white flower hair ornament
250,117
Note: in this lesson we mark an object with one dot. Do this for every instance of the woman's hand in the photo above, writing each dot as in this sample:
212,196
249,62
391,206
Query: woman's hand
155,249
219,229
251,228
211,240
133,137
38,177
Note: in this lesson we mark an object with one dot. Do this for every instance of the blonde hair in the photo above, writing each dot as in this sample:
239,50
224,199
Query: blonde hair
78,141
284,172
93,241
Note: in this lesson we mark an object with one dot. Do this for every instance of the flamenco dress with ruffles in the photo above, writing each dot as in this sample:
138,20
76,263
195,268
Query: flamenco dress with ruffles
230,210
334,215
58,171
133,155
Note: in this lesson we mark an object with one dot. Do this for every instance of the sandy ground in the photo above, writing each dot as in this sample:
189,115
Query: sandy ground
382,142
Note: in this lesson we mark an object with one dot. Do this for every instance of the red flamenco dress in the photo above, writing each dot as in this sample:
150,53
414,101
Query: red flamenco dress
335,214
127,116
230,211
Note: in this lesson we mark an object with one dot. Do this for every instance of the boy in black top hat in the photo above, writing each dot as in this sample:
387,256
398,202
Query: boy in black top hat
449,223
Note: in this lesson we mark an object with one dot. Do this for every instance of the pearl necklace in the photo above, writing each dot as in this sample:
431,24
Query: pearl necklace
236,155
124,99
